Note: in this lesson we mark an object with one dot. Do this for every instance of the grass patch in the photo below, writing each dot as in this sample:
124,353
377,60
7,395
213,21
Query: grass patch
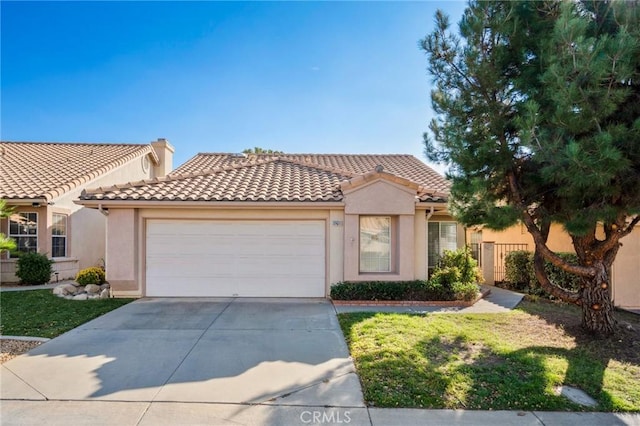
508,361
40,313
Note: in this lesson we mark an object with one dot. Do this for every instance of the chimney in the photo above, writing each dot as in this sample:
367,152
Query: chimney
164,151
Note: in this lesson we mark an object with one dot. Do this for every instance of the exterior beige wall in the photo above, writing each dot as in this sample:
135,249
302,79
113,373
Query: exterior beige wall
626,272
559,240
122,265
381,198
335,253
420,244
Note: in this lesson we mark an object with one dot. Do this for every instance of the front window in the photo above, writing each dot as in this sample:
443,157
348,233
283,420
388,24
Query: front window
441,236
23,228
375,244
59,235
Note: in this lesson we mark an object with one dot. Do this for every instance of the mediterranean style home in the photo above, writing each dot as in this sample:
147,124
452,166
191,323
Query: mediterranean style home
40,181
279,225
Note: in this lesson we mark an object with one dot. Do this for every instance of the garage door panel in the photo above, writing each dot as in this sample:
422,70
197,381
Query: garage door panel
235,258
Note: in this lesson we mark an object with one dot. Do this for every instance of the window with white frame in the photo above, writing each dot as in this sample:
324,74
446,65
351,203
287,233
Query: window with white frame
375,244
59,235
441,236
23,228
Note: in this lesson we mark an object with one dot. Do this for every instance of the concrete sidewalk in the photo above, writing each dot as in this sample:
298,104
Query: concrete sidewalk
171,413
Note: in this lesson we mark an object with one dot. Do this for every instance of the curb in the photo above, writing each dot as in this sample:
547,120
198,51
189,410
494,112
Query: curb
25,338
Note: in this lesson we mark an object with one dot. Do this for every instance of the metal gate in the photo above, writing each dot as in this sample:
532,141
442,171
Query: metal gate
500,251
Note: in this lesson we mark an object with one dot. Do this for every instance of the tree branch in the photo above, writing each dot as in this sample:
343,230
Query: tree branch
548,286
540,241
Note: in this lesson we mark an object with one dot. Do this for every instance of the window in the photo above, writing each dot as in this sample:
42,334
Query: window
59,235
476,246
23,228
375,244
441,236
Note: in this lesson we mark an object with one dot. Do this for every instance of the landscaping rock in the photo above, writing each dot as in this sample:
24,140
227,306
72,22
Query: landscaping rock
104,294
105,285
64,290
93,296
576,395
82,296
79,290
92,289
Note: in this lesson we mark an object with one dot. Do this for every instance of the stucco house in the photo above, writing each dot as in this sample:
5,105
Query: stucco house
41,180
279,225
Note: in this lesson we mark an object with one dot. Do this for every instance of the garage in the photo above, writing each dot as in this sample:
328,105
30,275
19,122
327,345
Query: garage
274,258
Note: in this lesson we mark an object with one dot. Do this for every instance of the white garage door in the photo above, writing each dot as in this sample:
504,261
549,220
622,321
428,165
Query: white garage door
235,258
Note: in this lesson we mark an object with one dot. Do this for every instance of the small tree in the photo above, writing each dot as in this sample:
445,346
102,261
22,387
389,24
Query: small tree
258,150
538,115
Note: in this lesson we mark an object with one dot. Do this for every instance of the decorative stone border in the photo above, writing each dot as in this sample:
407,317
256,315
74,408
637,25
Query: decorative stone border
443,304
75,291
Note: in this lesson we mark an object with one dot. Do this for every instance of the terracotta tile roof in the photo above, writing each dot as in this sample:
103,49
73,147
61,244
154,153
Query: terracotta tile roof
48,170
270,179
402,165
287,177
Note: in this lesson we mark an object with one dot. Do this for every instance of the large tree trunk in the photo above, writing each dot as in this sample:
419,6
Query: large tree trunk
597,306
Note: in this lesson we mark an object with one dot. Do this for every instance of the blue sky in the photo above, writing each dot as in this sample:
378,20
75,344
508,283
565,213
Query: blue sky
342,77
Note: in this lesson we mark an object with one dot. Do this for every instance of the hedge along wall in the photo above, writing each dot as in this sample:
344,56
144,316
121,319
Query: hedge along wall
520,276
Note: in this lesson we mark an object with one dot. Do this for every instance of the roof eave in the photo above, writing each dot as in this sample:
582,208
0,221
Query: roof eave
209,204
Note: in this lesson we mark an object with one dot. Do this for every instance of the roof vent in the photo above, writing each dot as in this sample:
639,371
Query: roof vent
379,168
238,155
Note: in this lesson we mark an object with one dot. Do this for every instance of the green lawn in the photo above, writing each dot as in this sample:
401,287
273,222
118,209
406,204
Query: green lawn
40,313
508,361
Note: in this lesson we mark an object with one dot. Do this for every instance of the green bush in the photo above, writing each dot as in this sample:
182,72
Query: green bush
93,275
464,262
518,269
34,268
379,290
520,274
454,278
464,291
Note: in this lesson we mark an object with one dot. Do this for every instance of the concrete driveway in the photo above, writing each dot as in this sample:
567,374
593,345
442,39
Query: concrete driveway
238,351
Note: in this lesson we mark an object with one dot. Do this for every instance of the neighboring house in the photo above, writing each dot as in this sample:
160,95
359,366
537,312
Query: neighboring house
41,180
625,279
279,225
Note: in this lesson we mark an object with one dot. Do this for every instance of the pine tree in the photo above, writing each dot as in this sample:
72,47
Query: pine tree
538,116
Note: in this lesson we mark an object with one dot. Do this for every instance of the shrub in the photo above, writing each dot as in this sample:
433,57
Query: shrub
521,276
464,262
378,290
34,268
518,269
93,275
464,291
557,275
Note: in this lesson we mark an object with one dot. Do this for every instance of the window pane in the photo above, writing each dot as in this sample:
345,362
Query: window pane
58,247
27,244
448,236
441,236
433,242
375,244
23,224
59,226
